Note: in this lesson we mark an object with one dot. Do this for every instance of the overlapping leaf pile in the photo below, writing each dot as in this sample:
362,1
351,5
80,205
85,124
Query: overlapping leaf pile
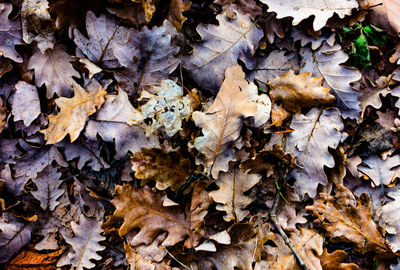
227,134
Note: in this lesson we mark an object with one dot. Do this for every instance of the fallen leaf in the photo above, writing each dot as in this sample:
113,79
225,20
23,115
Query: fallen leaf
346,219
302,9
10,34
13,236
148,56
221,47
167,169
3,115
48,188
230,195
309,145
142,209
326,63
334,261
84,244
385,14
167,108
176,8
222,121
380,171
389,220
53,68
102,31
26,96
297,91
37,24
73,113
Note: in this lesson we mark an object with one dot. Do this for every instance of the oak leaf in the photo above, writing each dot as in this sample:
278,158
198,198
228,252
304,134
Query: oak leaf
26,96
302,9
53,68
102,32
309,145
385,14
13,236
148,56
10,34
84,243
381,172
326,63
142,209
48,188
74,113
389,220
221,47
37,24
334,261
230,195
33,259
127,138
167,108
176,8
297,91
307,242
346,219
222,121
167,169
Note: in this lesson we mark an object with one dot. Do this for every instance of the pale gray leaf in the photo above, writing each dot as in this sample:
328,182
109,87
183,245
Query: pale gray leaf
313,134
10,33
26,96
381,172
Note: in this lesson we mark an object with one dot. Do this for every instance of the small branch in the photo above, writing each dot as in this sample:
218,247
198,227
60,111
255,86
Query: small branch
173,257
272,216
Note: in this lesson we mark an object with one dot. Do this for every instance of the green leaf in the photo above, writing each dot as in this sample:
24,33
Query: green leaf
362,54
374,34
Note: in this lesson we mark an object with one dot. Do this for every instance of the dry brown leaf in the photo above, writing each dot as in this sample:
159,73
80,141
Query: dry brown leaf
232,186
30,258
278,115
198,207
176,8
3,115
245,6
167,169
5,65
308,244
222,121
385,14
297,91
73,113
346,219
142,209
334,261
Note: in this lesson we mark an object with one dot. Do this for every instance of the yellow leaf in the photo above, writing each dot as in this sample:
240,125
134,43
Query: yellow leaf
73,114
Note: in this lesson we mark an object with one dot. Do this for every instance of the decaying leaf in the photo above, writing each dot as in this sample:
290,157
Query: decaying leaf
73,113
167,107
26,96
142,209
302,9
232,186
222,121
167,169
13,235
37,24
346,219
3,115
53,68
221,47
30,258
385,14
326,63
148,56
48,188
84,243
10,34
297,91
309,145
102,31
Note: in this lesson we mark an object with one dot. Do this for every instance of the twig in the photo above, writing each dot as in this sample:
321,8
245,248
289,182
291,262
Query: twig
173,257
272,216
